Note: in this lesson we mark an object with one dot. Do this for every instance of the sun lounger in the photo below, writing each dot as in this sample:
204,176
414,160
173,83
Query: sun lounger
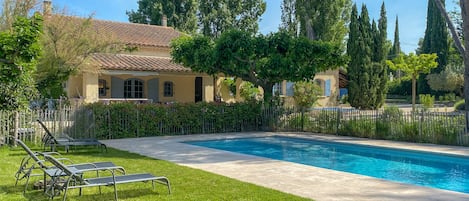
73,179
32,162
66,142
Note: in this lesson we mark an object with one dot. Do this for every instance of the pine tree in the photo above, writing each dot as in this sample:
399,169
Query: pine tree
434,41
354,53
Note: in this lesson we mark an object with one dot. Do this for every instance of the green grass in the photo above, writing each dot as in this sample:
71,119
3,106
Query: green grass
186,183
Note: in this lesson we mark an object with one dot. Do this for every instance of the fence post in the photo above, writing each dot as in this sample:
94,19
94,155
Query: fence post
339,114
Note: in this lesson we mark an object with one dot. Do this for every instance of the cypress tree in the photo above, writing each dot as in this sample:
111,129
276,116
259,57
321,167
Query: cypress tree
434,41
367,51
396,46
354,53
379,67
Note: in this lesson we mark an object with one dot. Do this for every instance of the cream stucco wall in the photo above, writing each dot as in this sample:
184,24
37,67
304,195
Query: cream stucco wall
183,86
75,86
90,87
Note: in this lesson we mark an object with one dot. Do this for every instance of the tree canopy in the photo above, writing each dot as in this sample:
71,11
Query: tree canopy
317,19
181,14
19,53
68,44
368,52
414,65
210,17
262,60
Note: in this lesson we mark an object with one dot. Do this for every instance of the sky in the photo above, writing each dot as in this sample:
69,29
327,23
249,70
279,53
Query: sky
412,15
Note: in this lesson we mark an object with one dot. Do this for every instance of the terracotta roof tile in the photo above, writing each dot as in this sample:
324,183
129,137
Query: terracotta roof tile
137,63
138,34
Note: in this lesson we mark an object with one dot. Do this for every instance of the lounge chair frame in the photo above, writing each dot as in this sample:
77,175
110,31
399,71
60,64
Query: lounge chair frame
66,142
25,171
74,179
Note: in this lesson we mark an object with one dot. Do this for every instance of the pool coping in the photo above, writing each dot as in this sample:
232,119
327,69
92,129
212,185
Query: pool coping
302,180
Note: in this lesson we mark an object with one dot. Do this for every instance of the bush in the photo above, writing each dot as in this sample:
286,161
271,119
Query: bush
427,101
460,105
121,120
401,87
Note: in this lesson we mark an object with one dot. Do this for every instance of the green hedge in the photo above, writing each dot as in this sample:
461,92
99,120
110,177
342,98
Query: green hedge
121,120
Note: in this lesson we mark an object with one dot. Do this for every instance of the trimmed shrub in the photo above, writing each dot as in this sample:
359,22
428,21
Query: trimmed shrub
460,105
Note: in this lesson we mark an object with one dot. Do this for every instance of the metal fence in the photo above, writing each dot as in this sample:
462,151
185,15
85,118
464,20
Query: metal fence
425,127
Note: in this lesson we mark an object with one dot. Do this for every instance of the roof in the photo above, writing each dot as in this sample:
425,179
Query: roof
137,63
138,34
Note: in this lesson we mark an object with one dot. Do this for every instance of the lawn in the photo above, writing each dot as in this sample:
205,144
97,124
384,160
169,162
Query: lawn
186,183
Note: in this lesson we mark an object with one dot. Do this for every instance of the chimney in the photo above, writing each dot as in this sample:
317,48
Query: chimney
47,7
164,21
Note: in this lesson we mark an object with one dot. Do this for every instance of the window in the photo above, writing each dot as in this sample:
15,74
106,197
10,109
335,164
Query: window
133,88
277,89
102,87
168,89
290,90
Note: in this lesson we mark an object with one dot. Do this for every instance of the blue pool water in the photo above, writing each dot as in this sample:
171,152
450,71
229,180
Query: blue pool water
418,168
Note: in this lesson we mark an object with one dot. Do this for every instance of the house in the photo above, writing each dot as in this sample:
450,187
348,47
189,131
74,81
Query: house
328,81
148,75
144,75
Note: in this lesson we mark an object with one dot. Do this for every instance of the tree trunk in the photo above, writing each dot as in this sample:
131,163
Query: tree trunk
414,91
465,26
267,87
451,27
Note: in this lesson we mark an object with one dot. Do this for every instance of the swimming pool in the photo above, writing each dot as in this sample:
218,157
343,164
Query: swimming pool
418,168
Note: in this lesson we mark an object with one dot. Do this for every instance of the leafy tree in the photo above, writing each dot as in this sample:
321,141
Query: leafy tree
19,52
306,94
367,49
68,44
11,9
451,80
248,91
462,47
434,41
261,60
181,14
414,65
218,16
317,19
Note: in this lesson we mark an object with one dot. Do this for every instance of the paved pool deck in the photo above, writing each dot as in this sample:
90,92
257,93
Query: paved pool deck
306,181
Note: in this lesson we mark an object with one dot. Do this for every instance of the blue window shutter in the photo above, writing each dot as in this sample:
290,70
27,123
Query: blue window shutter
117,87
290,88
327,88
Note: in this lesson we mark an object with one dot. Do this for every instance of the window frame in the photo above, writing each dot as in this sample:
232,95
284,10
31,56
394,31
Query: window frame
168,89
133,88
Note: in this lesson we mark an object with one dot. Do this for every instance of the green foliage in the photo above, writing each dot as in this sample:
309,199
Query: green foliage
306,94
324,20
218,16
230,83
396,46
19,51
460,105
451,79
366,70
402,87
413,65
123,120
181,15
248,91
68,44
434,41
261,60
427,100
